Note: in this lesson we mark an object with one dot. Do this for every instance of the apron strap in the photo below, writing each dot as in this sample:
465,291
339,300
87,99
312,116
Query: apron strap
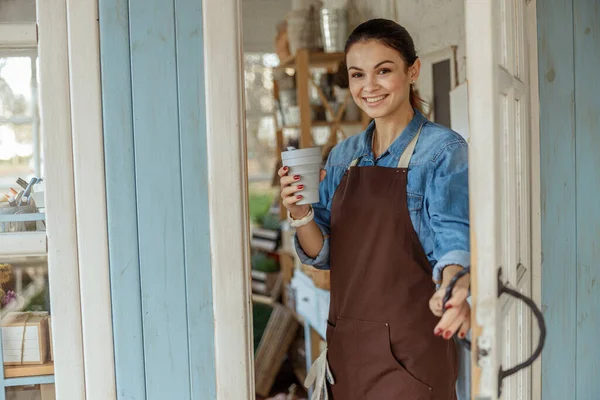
406,155
408,152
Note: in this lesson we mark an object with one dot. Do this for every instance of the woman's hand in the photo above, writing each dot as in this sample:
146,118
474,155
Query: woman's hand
457,316
290,194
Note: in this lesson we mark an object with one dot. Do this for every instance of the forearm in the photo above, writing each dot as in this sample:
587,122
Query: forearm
310,238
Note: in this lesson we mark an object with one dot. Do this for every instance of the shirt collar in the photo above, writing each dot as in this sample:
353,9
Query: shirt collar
399,145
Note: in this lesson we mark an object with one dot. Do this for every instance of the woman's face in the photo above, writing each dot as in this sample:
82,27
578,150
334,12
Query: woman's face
379,79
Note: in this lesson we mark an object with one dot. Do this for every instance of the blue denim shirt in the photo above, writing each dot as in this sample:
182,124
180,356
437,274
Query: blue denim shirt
438,198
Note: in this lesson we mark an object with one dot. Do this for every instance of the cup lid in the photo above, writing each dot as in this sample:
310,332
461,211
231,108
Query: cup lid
307,152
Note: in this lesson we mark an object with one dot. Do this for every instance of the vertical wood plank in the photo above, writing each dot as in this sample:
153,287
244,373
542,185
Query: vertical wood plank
121,199
60,199
88,157
485,188
196,222
302,89
536,249
158,185
228,199
558,210
586,17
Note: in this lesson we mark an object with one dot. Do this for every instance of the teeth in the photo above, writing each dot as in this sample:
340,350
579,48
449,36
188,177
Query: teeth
374,99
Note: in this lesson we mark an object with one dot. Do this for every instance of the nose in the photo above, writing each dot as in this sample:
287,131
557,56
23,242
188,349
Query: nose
370,83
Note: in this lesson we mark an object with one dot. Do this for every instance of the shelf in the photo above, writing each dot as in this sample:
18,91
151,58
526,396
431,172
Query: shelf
22,371
315,60
259,298
23,244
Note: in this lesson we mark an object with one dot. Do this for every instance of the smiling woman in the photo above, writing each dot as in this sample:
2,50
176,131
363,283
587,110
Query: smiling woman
391,223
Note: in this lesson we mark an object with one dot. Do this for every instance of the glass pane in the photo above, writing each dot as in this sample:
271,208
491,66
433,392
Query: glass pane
16,153
20,141
15,87
33,392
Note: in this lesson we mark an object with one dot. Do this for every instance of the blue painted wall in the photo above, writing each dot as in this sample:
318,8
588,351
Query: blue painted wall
158,219
569,59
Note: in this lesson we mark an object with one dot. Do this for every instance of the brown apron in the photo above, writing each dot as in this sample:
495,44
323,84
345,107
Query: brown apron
380,337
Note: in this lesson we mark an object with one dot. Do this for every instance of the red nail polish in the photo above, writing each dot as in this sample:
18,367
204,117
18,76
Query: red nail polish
296,177
447,335
449,306
461,335
299,196
300,187
285,168
437,332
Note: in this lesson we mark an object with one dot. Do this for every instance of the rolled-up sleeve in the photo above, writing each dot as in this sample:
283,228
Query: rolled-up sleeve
447,199
322,259
322,218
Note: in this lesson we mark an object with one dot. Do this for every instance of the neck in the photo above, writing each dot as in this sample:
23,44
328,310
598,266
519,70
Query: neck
388,128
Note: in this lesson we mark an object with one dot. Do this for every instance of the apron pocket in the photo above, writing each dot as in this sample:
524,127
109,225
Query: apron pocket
341,355
329,333
381,375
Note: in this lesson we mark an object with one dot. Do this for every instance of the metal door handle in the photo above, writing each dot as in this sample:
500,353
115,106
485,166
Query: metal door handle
503,289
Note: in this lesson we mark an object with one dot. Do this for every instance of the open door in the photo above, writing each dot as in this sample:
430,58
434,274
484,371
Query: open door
500,181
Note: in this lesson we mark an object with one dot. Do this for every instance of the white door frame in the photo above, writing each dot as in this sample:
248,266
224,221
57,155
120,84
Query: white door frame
228,199
71,121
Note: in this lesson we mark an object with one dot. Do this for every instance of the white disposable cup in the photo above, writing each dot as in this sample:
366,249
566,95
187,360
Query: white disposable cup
307,164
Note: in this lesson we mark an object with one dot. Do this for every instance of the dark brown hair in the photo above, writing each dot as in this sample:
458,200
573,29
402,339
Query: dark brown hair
392,35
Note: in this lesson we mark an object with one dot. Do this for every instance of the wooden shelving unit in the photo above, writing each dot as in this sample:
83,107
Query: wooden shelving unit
301,64
313,60
22,371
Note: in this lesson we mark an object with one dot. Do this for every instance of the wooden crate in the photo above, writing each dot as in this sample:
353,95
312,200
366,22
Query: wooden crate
273,347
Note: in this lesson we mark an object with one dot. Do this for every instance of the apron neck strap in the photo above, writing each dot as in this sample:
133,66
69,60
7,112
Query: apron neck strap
408,152
406,155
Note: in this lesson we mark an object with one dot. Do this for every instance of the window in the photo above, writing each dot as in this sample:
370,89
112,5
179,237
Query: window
260,117
20,141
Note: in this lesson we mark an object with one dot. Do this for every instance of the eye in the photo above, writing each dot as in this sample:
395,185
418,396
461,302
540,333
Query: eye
357,75
383,71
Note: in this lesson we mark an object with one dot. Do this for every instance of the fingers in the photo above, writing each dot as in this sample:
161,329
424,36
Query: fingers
452,320
291,200
459,295
435,303
290,190
288,180
453,328
282,171
465,327
445,322
323,175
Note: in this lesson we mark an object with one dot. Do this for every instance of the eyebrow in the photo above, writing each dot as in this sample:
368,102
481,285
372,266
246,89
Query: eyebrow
376,66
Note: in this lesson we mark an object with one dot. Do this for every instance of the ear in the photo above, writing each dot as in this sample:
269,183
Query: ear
414,71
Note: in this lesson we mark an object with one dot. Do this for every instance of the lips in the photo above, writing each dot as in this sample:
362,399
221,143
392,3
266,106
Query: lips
374,99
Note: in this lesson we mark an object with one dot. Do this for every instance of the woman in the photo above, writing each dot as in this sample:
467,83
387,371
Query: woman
392,222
